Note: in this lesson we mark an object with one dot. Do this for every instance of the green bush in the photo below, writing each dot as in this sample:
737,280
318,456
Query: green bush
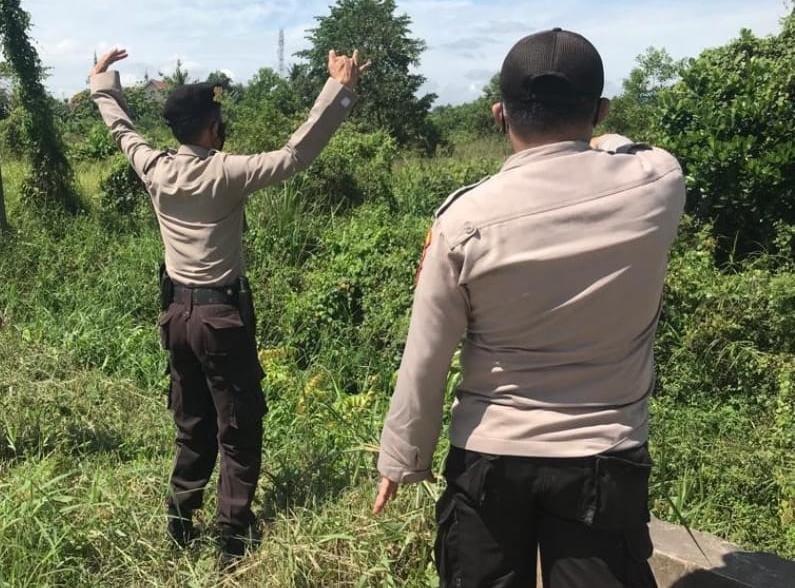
122,191
729,121
351,309
356,166
420,186
97,144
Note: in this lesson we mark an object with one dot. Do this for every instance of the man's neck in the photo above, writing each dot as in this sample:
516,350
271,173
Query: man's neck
524,143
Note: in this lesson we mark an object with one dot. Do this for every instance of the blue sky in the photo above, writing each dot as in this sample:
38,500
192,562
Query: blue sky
467,39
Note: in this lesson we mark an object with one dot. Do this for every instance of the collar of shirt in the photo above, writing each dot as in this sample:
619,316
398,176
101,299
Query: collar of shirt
194,150
544,152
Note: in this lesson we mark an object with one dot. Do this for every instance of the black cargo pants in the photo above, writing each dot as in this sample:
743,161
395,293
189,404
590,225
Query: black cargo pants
587,516
217,401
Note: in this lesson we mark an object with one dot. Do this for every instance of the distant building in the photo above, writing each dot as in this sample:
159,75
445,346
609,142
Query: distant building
155,89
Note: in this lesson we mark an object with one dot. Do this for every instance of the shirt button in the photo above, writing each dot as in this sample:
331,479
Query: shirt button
469,228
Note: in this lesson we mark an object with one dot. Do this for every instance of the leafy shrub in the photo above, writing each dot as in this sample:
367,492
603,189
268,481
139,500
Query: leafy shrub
121,190
12,138
729,121
351,309
421,185
97,144
356,166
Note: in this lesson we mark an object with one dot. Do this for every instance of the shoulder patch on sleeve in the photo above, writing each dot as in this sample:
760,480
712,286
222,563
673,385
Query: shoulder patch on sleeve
456,195
633,148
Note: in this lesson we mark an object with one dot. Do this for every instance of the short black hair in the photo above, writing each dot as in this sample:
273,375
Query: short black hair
541,117
192,108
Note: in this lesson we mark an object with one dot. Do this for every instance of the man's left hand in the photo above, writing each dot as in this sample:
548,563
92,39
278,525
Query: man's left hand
387,490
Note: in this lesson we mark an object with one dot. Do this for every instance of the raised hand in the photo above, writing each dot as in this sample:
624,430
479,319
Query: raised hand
108,59
346,70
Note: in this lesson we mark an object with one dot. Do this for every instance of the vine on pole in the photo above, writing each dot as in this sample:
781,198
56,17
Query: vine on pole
50,181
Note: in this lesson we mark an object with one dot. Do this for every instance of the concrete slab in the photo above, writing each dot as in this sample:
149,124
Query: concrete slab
700,560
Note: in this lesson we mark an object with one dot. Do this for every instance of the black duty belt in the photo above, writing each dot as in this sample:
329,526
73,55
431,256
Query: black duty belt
191,296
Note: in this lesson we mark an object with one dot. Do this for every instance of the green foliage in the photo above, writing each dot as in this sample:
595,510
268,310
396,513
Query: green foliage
176,78
263,118
51,182
98,144
355,167
122,191
12,138
419,187
729,121
469,121
389,90
357,289
634,111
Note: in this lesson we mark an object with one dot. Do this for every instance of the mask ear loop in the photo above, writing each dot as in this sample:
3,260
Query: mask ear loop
504,120
596,113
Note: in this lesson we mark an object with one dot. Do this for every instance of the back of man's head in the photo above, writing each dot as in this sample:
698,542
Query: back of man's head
551,83
191,109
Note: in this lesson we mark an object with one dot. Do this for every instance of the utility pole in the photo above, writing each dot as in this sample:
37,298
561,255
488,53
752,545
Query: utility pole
281,52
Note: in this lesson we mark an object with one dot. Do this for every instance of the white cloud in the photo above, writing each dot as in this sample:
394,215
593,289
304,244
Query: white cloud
467,39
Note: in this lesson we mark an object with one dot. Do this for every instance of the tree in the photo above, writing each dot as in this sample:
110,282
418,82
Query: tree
50,179
471,120
179,77
729,121
389,90
263,114
633,112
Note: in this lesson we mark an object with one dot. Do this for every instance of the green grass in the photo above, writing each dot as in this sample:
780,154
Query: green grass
86,441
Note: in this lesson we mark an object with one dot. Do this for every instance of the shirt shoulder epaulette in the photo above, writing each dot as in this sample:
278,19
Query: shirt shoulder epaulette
456,195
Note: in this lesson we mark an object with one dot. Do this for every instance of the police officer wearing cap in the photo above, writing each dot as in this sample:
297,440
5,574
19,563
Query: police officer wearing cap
198,193
552,273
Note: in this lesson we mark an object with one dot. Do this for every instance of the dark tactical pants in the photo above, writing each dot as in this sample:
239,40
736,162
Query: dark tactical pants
217,401
588,516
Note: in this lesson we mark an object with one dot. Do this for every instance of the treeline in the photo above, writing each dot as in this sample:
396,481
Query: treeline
727,114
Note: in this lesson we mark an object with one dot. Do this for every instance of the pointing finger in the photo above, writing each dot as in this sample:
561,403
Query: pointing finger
365,67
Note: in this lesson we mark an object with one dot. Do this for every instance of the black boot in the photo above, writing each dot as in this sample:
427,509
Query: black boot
180,527
234,543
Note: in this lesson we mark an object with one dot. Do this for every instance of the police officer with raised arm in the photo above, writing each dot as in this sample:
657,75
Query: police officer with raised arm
198,193
552,273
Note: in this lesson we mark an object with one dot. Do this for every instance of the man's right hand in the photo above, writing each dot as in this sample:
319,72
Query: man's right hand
346,70
104,62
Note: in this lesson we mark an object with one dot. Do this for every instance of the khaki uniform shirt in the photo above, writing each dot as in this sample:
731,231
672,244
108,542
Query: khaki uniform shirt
552,271
199,195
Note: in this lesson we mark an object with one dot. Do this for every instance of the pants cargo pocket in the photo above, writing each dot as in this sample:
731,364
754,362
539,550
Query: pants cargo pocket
446,546
621,490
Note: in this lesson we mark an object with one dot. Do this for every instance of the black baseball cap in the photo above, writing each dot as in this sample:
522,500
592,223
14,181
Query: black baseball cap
554,66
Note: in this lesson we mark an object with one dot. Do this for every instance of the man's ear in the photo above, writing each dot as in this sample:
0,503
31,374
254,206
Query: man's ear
602,110
498,112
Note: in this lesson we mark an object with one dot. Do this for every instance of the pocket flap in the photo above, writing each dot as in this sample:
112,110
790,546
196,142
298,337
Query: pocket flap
226,320
166,315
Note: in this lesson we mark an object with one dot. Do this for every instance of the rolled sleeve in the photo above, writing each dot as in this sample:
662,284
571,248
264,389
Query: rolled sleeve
438,321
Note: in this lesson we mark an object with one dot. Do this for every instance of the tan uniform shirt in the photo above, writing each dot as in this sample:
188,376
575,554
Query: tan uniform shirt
199,195
552,271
